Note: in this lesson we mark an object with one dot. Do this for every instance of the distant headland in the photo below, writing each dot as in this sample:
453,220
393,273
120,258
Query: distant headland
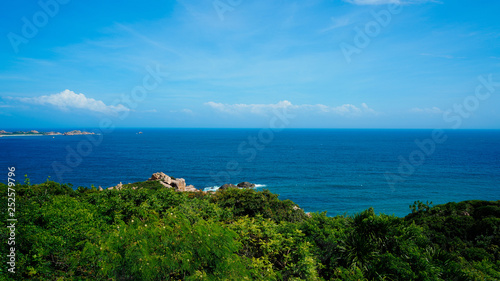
4,133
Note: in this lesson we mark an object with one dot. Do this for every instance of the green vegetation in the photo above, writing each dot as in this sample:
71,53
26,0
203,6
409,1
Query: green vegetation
154,233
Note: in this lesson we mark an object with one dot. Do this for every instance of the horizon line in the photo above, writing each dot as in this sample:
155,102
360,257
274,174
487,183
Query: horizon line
236,128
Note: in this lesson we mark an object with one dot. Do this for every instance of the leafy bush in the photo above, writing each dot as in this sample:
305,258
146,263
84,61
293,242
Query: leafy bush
147,232
171,248
248,202
277,251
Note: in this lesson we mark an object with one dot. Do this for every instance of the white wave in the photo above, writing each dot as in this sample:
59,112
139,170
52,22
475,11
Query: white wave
215,188
211,188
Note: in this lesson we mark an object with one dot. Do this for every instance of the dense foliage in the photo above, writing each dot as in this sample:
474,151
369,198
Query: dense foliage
154,233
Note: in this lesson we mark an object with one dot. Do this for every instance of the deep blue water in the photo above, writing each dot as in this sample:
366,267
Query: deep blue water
321,170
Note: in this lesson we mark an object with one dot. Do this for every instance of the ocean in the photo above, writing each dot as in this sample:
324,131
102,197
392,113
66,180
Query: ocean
335,170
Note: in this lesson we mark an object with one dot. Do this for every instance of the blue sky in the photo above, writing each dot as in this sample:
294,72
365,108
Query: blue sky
234,63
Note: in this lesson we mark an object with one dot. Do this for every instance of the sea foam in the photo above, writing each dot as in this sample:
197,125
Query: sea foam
215,188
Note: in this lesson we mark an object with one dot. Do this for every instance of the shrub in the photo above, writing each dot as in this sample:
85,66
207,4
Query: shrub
248,202
155,233
167,249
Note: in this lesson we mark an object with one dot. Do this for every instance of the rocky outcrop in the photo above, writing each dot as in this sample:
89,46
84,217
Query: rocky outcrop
246,184
77,132
227,185
52,133
117,187
165,184
189,188
161,176
179,183
170,182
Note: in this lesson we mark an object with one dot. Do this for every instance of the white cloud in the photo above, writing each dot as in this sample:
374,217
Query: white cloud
265,109
68,99
433,110
252,108
382,2
371,2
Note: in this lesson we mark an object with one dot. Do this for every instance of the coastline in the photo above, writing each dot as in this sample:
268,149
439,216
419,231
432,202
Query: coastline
24,135
4,133
42,135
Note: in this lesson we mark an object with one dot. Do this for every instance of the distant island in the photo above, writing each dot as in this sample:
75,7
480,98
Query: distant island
37,133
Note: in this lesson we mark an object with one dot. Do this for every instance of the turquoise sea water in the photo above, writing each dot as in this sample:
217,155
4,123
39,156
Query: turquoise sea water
322,170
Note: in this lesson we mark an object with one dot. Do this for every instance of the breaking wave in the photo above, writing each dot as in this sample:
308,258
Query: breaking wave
215,188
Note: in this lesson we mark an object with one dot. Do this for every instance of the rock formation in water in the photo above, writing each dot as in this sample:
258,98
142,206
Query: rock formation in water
179,184
246,184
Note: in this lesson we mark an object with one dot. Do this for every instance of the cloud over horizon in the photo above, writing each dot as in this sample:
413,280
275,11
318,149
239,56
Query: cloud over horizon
372,2
259,56
382,2
68,99
433,110
348,110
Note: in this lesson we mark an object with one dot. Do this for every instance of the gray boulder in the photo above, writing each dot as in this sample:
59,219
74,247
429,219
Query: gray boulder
246,184
227,185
